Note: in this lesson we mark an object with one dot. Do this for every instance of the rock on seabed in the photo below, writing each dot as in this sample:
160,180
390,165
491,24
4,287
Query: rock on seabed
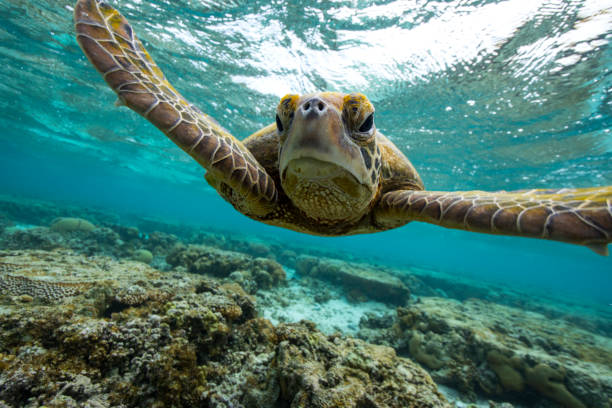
77,331
372,283
480,347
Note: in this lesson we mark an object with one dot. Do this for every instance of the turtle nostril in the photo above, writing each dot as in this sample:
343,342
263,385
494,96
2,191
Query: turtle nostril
314,106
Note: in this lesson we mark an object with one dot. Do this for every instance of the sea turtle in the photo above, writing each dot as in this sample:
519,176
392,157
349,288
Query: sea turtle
322,168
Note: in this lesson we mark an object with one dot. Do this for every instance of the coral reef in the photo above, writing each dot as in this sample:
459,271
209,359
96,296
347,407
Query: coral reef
285,252
508,370
116,241
159,242
482,347
31,238
98,241
68,224
38,212
427,282
83,324
358,279
140,337
252,273
143,255
421,354
549,382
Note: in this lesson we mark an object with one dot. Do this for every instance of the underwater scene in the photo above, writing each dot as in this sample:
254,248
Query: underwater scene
407,203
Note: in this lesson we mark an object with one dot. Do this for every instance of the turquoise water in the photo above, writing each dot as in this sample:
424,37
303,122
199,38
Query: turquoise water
479,94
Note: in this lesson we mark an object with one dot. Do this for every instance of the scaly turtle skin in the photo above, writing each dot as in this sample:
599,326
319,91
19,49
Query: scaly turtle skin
323,168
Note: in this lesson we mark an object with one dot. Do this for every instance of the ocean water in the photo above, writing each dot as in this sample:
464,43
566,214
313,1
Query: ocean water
482,94
478,94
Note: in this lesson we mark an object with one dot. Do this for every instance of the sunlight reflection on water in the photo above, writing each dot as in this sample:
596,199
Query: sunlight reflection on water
479,94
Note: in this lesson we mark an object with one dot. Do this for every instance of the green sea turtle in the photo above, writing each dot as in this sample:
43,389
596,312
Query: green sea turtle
322,168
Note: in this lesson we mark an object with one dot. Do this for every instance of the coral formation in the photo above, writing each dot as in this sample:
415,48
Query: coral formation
116,241
20,285
431,283
159,242
421,354
254,273
549,382
143,255
83,324
31,238
139,337
482,347
68,224
99,241
508,370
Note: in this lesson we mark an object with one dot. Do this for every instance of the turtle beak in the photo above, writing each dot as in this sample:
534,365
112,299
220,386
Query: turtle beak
318,133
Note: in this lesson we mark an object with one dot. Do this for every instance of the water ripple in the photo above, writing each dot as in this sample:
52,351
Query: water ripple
479,94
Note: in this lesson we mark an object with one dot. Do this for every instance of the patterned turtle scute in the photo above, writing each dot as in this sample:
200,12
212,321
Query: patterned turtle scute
112,47
582,216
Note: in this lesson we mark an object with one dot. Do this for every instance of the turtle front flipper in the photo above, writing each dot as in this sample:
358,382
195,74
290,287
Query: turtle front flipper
580,216
112,47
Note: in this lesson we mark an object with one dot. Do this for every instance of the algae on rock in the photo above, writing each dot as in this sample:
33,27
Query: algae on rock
374,284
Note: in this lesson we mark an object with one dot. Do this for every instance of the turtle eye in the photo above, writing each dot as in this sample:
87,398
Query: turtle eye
279,124
367,124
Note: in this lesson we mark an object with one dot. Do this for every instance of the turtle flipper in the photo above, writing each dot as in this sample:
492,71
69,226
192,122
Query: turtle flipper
112,47
580,216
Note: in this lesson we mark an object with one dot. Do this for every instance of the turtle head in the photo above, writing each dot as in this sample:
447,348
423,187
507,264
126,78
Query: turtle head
329,162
